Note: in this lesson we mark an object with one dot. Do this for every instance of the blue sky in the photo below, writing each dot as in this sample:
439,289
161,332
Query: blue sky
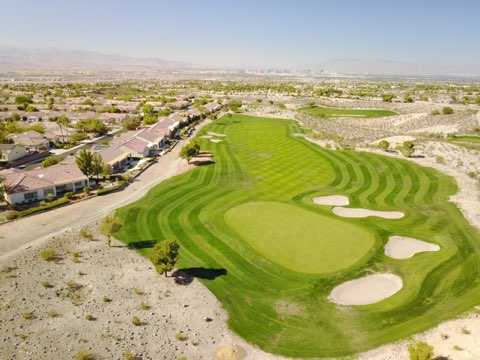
246,32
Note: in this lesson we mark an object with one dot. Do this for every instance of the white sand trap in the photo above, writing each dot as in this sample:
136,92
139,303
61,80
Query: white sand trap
215,141
206,136
363,213
401,247
215,134
366,290
332,200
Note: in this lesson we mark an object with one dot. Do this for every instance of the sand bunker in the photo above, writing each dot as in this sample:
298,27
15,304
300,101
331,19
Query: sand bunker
206,136
215,141
366,290
401,247
215,134
363,213
332,200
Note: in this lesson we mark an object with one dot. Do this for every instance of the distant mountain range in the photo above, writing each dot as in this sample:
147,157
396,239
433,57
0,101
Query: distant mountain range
16,59
37,60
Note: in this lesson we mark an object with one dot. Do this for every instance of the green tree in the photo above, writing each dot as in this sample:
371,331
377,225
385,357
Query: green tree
190,150
110,226
165,255
85,162
420,351
98,165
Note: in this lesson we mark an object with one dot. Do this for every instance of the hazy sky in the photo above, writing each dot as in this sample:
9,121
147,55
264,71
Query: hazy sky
251,32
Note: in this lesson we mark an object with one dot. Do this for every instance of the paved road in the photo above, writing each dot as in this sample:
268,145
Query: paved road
18,235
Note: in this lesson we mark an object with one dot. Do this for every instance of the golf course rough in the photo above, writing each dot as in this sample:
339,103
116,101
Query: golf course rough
261,164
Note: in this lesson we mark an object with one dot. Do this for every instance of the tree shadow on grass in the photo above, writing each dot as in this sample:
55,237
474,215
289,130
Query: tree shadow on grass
186,276
142,244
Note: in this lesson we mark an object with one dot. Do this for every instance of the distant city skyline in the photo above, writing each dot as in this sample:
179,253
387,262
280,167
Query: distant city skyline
438,36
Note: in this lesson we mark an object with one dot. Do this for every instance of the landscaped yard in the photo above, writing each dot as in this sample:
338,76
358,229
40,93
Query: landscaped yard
333,112
252,214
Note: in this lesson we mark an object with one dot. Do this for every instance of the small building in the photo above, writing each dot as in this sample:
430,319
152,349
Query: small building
11,152
28,186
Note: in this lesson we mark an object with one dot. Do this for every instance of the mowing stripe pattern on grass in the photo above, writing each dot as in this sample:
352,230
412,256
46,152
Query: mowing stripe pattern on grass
261,161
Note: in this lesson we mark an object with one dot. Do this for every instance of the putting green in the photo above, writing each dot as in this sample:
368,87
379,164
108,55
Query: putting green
298,239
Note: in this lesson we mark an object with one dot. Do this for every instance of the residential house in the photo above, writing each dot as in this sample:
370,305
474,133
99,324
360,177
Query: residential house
31,140
11,152
123,149
27,186
159,134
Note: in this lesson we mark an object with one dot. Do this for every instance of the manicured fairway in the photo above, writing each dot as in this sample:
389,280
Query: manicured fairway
261,162
298,239
332,112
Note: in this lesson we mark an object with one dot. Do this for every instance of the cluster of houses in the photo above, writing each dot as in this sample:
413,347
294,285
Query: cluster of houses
28,186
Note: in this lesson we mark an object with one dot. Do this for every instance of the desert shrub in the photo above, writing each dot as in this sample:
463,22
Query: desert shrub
84,355
90,317
407,149
53,314
128,355
435,112
144,306
11,214
73,286
131,123
138,291
49,255
46,285
136,321
420,351
440,159
447,110
388,97
181,336
28,315
384,145
86,233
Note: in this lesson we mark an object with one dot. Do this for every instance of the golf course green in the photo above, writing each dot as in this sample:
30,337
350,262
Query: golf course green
289,235
333,112
251,216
